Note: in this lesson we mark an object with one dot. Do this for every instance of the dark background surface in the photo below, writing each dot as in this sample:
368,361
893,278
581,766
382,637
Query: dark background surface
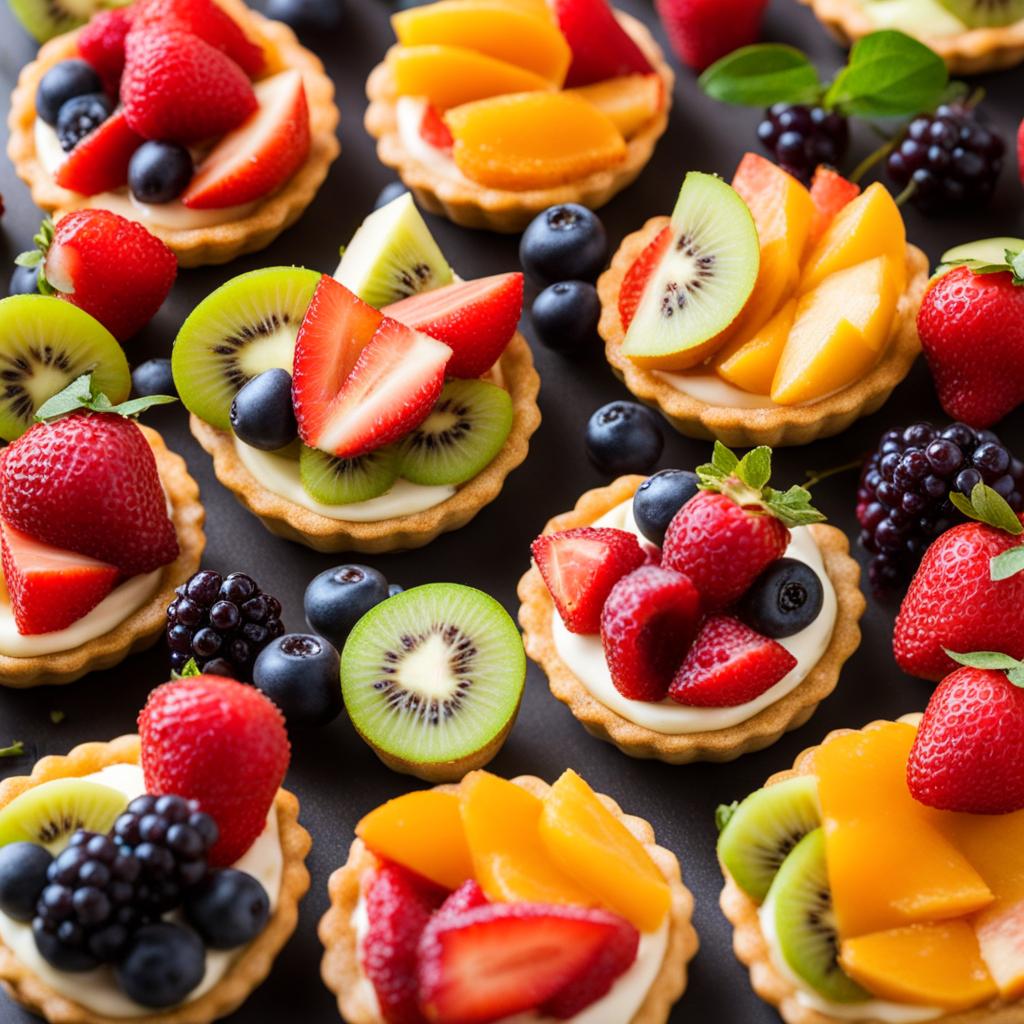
336,777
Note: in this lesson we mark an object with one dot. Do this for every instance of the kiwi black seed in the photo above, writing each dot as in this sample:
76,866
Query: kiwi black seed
50,813
333,481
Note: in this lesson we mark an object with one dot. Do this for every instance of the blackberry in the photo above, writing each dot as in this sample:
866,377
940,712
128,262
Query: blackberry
949,159
800,138
221,622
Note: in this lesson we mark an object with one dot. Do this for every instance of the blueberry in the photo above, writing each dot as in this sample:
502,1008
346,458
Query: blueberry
659,498
389,193
786,597
81,116
395,589
624,437
24,281
153,377
338,598
159,171
262,414
565,242
23,868
311,15
300,673
65,81
565,315
229,909
161,964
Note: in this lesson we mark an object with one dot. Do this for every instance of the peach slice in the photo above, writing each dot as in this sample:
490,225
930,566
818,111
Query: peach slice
749,362
630,101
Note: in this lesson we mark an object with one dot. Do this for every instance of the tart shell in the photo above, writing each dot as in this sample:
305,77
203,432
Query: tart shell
247,972
790,712
476,206
293,522
218,243
145,625
343,974
778,425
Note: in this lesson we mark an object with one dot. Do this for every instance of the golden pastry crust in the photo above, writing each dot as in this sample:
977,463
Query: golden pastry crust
968,53
244,975
790,712
475,206
218,243
343,975
400,533
778,425
144,626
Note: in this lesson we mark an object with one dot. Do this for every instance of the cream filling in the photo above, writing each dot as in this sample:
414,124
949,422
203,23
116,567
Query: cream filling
926,18
706,386
97,990
584,654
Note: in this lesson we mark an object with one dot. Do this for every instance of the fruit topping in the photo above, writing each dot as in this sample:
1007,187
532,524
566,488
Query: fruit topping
750,361
345,481
161,965
159,172
48,814
153,377
63,82
830,192
262,415
659,498
566,242
601,47
101,161
23,871
624,437
785,599
702,31
565,316
24,281
631,101
338,598
300,674
229,909
101,44
80,117
801,138
644,266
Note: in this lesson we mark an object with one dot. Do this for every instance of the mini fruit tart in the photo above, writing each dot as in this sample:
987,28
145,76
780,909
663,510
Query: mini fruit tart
497,900
138,880
764,312
105,117
493,111
692,616
370,411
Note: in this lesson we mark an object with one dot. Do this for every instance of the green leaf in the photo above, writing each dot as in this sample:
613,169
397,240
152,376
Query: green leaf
724,459
755,468
32,258
1008,564
57,717
724,813
16,749
992,661
889,75
76,395
191,669
988,507
758,76
792,507
134,406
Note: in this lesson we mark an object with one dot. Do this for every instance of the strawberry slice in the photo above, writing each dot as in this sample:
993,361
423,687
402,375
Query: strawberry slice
601,47
258,157
635,281
99,163
580,568
434,131
475,319
729,664
830,192
50,588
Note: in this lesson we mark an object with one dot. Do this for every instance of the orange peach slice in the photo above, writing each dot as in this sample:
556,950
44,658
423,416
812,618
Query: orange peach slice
630,101
750,362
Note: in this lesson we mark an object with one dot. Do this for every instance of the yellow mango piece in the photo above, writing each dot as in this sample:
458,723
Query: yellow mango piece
869,226
630,101
516,34
926,964
510,862
421,831
448,76
750,362
889,864
592,846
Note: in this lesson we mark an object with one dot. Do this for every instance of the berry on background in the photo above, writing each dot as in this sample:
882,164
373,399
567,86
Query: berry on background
801,138
338,598
565,316
562,243
624,437
153,377
24,281
300,673
703,31
313,16
389,193
64,82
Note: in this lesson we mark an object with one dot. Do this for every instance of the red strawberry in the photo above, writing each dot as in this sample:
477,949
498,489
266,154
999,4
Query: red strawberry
88,483
702,31
601,47
729,664
635,281
581,566
433,129
647,626
261,155
972,331
475,319
222,743
99,163
830,192
177,88
50,588
101,44
468,896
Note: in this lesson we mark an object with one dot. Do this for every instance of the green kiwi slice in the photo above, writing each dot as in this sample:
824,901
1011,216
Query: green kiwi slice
45,344
460,437
48,814
334,481
432,679
44,19
985,13
245,327
763,830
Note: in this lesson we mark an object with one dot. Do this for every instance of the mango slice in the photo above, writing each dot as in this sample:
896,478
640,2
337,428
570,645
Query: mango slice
750,362
630,101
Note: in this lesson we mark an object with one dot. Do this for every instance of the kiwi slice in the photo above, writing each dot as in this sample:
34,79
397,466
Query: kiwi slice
460,437
800,906
335,481
392,256
432,679
45,344
48,814
763,830
245,327
44,19
985,13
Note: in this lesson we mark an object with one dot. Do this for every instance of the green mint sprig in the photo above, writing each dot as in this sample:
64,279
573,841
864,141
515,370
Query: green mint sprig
994,661
989,507
81,394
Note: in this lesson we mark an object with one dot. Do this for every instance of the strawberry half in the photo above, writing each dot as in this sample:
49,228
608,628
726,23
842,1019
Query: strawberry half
601,47
99,163
635,281
475,319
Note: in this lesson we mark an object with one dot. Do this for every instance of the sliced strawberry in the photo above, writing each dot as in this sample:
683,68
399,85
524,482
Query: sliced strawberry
99,163
580,568
257,158
101,44
475,319
601,47
467,897
50,588
729,664
434,131
830,192
635,281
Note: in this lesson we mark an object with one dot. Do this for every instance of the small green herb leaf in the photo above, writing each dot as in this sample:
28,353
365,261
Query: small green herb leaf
724,813
993,661
79,394
755,468
1008,564
793,507
134,406
57,716
16,749
32,258
758,76
988,507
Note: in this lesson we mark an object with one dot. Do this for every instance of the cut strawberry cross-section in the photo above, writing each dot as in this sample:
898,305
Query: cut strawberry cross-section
635,281
99,163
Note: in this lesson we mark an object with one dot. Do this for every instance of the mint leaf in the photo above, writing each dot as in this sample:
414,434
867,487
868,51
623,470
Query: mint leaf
758,76
724,813
993,661
16,749
723,459
792,507
1008,564
988,507
135,406
32,258
76,395
755,468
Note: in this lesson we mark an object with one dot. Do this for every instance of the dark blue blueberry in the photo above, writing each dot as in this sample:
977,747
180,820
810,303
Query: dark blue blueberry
565,315
308,15
81,116
24,281
161,964
338,598
153,377
784,599
565,242
389,193
624,437
395,589
300,673
262,414
659,498
159,171
229,909
23,868
63,82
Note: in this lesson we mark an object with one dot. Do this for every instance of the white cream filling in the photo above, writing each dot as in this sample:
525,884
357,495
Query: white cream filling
706,386
922,18
97,990
584,654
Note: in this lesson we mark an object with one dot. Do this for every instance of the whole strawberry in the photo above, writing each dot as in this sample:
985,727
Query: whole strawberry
222,743
702,31
971,325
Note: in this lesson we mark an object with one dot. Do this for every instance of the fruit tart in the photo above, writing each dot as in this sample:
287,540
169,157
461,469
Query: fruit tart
370,411
764,312
138,879
493,110
106,117
498,900
692,616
